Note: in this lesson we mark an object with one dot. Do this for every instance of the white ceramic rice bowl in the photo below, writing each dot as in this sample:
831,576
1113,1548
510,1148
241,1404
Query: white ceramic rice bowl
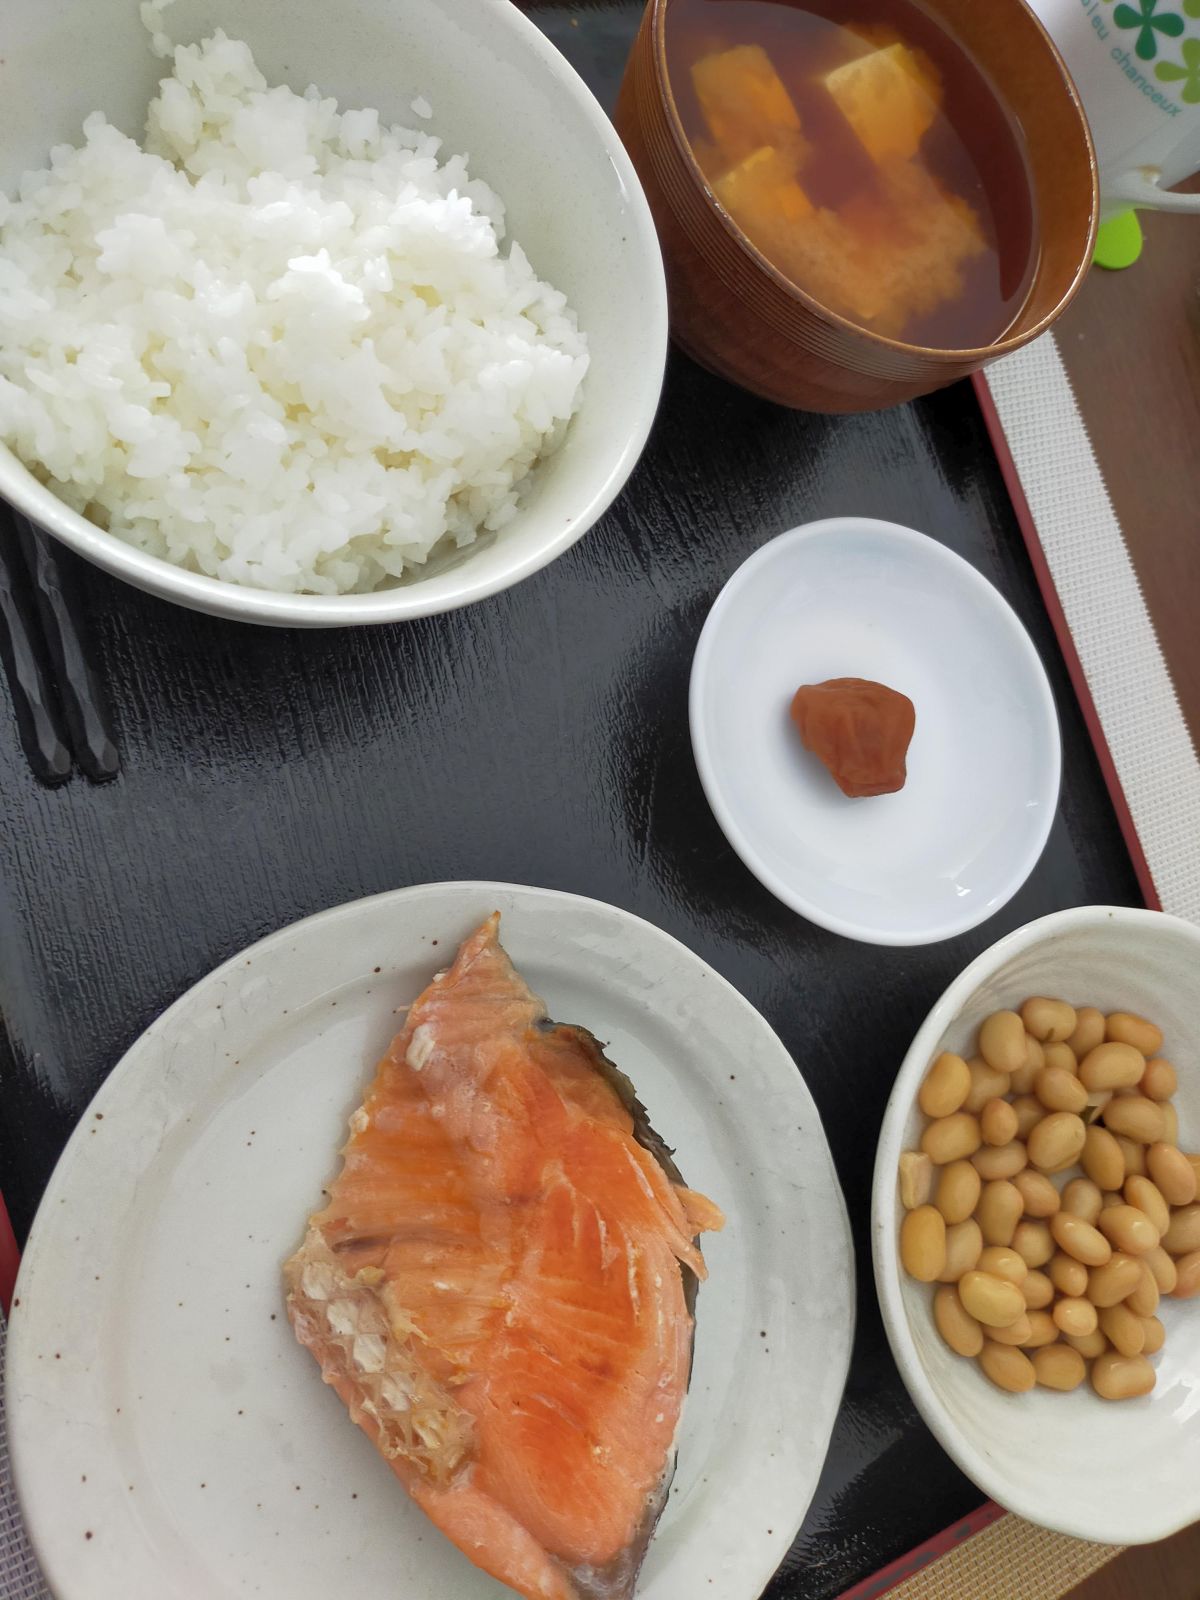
503,95
1115,1473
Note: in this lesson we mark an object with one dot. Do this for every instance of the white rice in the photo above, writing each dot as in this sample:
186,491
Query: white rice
280,345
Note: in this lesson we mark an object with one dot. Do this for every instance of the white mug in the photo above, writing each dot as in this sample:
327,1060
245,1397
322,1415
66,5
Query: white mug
1136,64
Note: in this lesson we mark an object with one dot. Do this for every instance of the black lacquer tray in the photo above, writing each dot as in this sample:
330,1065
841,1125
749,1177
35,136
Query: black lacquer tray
540,737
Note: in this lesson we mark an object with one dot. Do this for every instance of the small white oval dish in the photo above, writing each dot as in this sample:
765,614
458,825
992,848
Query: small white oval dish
853,597
169,1435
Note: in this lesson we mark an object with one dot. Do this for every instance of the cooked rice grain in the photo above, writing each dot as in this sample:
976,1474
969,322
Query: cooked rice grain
281,344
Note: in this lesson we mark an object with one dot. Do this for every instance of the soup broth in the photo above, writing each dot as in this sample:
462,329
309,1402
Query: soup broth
859,147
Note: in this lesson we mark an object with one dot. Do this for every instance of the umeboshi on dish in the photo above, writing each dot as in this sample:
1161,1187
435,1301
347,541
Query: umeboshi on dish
861,730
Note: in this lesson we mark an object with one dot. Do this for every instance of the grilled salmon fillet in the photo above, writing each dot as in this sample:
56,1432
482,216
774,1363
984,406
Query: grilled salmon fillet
499,1287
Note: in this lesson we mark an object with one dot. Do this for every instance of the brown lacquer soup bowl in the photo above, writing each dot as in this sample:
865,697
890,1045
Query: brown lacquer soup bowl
742,318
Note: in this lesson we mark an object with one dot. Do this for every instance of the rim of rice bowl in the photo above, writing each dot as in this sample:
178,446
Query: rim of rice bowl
603,467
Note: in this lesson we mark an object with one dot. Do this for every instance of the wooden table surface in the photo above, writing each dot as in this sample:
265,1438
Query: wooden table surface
1131,343
1166,1571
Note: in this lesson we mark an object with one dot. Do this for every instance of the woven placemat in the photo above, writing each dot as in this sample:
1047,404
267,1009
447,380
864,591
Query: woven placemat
1111,630
986,1565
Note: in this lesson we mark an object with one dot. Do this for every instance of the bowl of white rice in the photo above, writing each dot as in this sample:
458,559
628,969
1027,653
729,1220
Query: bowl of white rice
316,315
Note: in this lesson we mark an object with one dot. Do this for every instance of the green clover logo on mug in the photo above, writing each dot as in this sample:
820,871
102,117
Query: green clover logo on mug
1136,64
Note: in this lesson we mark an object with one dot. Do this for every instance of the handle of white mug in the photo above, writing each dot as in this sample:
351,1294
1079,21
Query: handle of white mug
1140,188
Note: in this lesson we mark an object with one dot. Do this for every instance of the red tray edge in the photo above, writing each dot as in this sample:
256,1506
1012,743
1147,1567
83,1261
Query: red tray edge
904,1566
9,1259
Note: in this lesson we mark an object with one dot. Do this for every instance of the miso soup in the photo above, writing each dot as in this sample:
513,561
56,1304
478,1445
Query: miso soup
860,148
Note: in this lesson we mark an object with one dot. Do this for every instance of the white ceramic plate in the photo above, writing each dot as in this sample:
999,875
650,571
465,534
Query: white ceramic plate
171,1438
1126,1473
851,597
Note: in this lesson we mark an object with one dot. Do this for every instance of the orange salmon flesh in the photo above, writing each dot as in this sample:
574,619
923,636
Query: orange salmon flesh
497,1288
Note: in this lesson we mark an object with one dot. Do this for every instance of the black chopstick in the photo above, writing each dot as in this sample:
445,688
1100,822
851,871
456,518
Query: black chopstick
39,720
88,725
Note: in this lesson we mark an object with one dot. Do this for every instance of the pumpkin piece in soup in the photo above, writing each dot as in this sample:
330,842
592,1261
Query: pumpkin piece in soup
835,263
861,730
891,256
921,237
926,212
890,98
762,195
746,105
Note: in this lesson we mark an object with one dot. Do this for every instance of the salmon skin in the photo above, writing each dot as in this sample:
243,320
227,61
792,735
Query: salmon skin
501,1286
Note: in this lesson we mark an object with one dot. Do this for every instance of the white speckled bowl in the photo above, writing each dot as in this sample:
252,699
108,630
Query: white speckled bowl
502,94
1117,1473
